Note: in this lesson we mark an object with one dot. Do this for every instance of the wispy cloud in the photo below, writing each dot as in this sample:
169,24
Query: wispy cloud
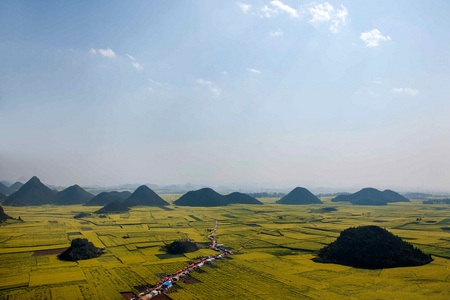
276,8
254,71
130,57
327,13
157,82
211,86
92,51
279,32
106,52
408,91
135,63
244,7
373,37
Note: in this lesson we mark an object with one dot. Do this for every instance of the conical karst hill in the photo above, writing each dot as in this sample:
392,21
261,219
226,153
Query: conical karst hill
299,196
32,193
15,186
113,207
240,198
4,189
371,247
205,197
143,195
104,198
73,195
371,196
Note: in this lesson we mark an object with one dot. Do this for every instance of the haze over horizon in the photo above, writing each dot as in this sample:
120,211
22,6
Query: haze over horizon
258,93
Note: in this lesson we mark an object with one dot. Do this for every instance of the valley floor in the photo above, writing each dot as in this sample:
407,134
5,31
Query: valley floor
278,244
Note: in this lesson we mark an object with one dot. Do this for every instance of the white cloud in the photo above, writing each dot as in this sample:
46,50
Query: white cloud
137,66
93,51
254,71
130,57
327,13
409,91
285,8
276,33
267,12
373,37
224,73
107,52
211,85
244,7
277,8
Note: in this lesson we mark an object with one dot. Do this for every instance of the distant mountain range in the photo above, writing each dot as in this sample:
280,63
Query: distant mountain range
207,197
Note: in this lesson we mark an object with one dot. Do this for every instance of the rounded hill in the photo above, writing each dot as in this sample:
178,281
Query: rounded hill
143,195
205,197
299,196
80,249
240,198
371,247
73,195
104,198
113,207
371,196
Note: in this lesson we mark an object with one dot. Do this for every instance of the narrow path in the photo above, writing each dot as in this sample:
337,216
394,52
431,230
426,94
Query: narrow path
167,282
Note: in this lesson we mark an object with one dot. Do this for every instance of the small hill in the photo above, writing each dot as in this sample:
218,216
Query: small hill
299,196
80,249
371,247
371,196
113,208
15,187
104,198
73,195
143,195
392,196
4,189
239,198
32,193
205,197
182,246
3,216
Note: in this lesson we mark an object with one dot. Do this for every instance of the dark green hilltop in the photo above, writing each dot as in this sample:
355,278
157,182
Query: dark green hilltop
104,198
299,196
73,195
207,197
371,196
144,196
32,193
113,208
80,249
371,247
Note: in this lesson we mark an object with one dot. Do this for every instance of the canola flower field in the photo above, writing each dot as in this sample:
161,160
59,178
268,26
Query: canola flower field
277,242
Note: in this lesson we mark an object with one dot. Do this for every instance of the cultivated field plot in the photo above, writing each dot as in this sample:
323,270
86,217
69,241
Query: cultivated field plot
275,245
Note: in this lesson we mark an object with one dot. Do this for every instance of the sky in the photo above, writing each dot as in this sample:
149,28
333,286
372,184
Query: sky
275,94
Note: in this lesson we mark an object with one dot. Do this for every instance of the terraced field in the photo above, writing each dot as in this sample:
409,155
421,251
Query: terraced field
278,243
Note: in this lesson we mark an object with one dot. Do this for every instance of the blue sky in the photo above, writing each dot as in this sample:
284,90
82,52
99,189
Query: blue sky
262,93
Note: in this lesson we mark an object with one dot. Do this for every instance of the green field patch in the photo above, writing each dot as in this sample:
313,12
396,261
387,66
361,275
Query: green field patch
73,233
229,216
168,256
253,225
195,218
